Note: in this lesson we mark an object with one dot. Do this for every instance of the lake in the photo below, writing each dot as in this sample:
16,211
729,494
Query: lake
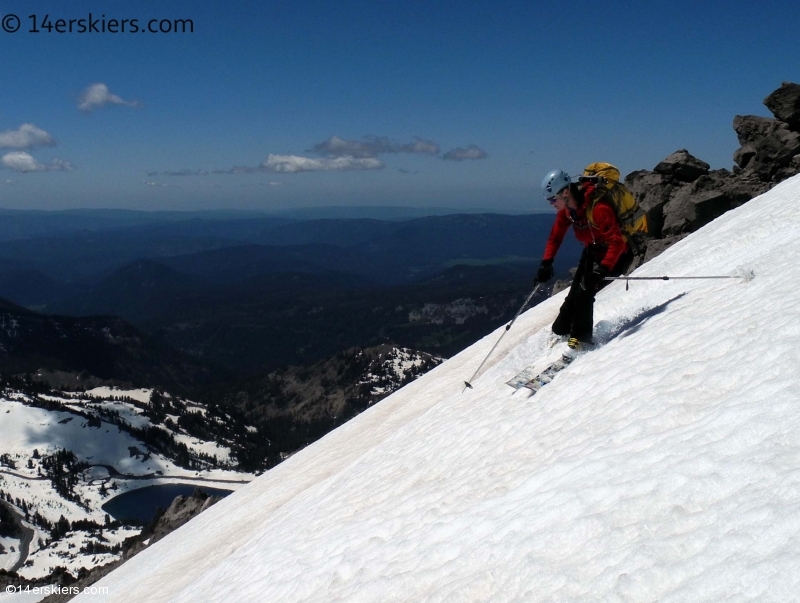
141,504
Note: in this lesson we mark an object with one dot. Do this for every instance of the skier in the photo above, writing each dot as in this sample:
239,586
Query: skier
606,251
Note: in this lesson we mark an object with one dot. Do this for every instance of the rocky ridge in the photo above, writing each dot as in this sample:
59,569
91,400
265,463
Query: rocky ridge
682,194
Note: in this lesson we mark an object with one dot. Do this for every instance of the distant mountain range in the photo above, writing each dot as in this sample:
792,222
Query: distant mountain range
24,224
269,320
104,347
396,251
256,293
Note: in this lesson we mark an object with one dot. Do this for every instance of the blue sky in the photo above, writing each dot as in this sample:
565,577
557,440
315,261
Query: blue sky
275,105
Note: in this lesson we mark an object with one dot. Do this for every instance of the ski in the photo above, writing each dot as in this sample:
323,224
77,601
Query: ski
534,381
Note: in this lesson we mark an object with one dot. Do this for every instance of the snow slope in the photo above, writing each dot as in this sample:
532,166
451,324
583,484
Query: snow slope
664,466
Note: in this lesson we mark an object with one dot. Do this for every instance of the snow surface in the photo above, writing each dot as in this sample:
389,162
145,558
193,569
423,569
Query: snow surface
24,428
32,595
141,395
10,545
663,466
65,552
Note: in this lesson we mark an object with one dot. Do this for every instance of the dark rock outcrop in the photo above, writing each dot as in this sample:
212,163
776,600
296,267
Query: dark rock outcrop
681,194
784,104
182,509
682,166
768,146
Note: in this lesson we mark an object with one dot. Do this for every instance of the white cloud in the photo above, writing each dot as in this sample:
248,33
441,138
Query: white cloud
339,154
157,184
98,95
295,163
25,137
470,152
425,147
372,146
22,162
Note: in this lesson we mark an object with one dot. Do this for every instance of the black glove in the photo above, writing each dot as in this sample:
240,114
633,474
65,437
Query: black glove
596,278
545,271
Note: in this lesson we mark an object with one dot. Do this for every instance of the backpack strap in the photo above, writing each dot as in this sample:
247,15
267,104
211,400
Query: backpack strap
600,197
629,217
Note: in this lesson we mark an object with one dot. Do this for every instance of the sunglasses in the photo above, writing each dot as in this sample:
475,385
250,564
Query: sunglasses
560,195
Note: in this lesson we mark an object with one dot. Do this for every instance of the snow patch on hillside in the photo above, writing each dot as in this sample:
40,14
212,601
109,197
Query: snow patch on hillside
398,366
141,395
111,461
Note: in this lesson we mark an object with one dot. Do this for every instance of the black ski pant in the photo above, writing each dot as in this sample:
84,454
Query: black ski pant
576,316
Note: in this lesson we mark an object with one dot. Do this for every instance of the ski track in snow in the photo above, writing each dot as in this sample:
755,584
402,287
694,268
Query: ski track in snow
663,466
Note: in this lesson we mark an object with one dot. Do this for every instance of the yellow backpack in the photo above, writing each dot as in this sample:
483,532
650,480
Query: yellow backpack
631,217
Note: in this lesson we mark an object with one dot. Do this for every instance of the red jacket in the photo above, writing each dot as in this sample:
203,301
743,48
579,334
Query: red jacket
603,230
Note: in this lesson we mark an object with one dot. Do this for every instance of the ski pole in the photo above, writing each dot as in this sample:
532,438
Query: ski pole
467,384
668,278
663,278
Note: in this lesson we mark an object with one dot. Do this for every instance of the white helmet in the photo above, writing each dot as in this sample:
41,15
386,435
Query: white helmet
555,182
